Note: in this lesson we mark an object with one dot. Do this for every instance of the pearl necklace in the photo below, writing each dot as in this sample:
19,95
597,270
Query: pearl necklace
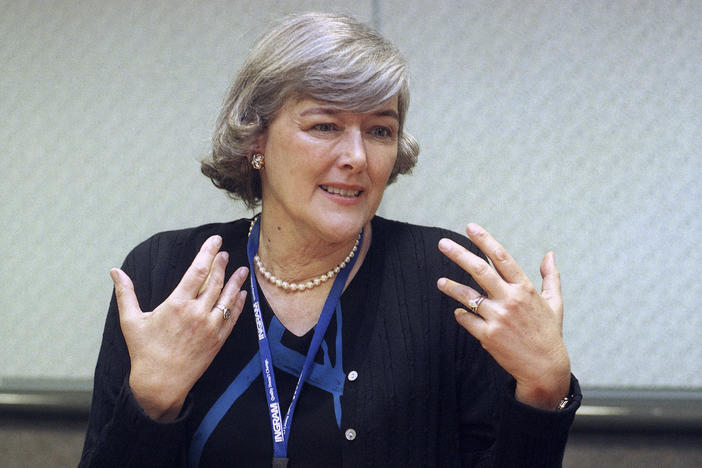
289,286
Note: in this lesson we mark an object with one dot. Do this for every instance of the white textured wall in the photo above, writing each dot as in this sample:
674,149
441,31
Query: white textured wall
563,125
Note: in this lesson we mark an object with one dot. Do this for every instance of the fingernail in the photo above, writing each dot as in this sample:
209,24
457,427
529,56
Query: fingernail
472,228
441,282
216,241
114,274
444,245
459,312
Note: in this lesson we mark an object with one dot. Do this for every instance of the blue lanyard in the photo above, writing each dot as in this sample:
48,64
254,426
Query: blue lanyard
281,427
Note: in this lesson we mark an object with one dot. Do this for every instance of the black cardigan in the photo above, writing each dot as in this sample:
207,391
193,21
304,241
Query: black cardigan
428,394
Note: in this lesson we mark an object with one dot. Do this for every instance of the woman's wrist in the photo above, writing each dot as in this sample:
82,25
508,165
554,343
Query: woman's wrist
158,401
547,394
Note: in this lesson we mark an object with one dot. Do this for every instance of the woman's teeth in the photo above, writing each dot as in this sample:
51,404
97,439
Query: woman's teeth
342,192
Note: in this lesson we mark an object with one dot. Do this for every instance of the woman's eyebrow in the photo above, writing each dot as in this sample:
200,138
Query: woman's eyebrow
388,113
332,111
320,110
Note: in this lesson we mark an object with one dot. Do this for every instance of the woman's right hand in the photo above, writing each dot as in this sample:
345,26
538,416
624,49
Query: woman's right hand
172,346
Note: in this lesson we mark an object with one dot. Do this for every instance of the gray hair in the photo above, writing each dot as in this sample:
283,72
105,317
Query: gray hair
327,57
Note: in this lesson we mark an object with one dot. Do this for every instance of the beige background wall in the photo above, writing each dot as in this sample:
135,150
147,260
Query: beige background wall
563,125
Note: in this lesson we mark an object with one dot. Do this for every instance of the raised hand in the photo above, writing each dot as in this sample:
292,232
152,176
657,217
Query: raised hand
520,327
172,346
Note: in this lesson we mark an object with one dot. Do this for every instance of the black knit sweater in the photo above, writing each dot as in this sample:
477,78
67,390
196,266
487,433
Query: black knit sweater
427,393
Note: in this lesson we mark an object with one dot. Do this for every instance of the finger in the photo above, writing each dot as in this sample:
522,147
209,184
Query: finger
458,291
551,285
199,270
479,269
127,302
235,283
506,266
235,311
238,306
232,298
474,324
230,293
212,288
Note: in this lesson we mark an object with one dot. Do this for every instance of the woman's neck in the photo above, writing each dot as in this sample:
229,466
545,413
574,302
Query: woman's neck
295,260
297,257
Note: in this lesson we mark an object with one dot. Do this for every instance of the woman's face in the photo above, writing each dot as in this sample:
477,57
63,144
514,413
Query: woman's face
326,170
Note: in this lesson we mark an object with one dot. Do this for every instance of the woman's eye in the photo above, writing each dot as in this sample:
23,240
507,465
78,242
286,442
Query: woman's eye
324,127
381,132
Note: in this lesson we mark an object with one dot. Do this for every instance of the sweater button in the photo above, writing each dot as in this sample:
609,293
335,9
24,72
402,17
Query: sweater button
350,434
353,375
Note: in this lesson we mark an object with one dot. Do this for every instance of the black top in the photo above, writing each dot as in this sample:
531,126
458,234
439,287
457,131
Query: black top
426,392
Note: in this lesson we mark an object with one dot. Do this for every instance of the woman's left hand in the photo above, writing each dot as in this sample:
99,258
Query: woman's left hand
521,328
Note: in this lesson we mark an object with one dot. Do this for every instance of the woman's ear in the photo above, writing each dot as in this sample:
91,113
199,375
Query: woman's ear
260,145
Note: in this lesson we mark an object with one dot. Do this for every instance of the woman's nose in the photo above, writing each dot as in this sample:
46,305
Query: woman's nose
353,151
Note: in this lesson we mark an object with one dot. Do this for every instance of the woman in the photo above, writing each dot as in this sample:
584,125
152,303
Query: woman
339,349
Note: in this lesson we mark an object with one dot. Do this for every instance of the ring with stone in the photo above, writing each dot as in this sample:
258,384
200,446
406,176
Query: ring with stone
226,313
473,304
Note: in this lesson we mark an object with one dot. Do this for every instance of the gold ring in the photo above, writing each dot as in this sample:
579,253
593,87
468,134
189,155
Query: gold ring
473,304
226,313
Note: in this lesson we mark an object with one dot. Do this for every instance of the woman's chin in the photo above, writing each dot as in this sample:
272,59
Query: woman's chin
342,228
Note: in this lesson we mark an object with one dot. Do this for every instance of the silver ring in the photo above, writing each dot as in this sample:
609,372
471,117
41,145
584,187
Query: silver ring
226,313
473,304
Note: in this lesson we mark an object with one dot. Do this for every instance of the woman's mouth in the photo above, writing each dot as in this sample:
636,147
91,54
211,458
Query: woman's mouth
339,191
